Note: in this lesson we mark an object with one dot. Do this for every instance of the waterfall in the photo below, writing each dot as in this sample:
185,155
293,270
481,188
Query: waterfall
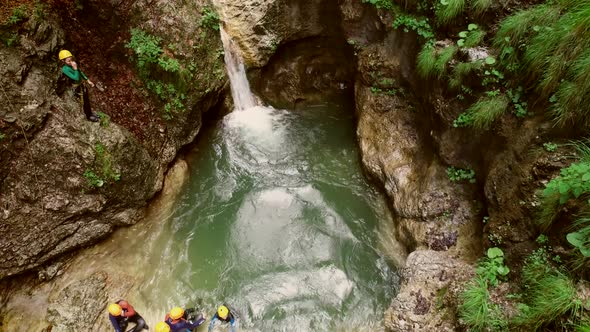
240,88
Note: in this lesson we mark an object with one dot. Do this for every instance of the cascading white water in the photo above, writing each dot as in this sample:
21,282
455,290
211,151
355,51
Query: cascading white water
240,88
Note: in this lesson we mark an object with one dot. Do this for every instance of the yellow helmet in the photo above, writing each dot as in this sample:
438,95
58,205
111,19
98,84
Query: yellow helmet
176,312
64,54
222,312
162,327
115,309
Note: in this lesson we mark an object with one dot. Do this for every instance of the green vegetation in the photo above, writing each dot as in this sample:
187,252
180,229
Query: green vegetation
447,10
102,170
550,147
2,136
477,310
492,269
209,19
550,44
433,62
486,110
417,24
155,68
472,37
550,295
19,14
459,174
481,6
105,120
94,180
381,4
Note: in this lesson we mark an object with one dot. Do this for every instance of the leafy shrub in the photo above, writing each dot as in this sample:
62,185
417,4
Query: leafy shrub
458,174
550,147
381,4
151,61
93,180
471,37
209,19
18,15
145,46
492,268
573,181
419,25
476,309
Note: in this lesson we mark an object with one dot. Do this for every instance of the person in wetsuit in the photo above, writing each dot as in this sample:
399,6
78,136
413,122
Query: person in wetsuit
181,320
224,314
121,313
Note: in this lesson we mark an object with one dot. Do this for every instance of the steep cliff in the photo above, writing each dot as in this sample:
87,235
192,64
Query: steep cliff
67,182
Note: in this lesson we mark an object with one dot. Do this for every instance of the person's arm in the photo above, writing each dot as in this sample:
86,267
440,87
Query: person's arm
232,324
197,322
212,324
115,323
71,73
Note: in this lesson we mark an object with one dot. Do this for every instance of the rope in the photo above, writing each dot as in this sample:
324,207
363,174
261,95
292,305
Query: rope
26,141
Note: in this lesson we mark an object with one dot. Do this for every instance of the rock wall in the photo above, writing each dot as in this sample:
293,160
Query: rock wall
67,182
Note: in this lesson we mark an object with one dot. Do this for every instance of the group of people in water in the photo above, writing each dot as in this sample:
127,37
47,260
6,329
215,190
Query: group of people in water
121,313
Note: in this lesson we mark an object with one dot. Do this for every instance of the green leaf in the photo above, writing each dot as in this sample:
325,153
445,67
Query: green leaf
472,27
444,2
563,187
576,239
490,60
463,34
460,42
563,198
585,251
578,192
495,252
536,28
503,270
507,39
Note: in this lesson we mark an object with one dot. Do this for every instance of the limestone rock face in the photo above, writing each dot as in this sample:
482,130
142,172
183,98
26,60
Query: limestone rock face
428,279
437,220
259,26
67,182
78,303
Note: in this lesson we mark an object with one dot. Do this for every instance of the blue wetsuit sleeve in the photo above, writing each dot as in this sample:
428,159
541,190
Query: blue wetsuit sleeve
232,324
115,323
213,319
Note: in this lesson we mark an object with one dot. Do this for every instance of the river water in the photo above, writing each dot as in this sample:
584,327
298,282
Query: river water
278,221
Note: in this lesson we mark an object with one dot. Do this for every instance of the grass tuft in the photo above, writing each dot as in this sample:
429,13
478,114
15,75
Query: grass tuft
443,59
476,309
448,10
426,61
480,6
487,110
550,294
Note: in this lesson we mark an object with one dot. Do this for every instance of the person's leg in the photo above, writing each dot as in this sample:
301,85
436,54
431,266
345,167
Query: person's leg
86,105
139,323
